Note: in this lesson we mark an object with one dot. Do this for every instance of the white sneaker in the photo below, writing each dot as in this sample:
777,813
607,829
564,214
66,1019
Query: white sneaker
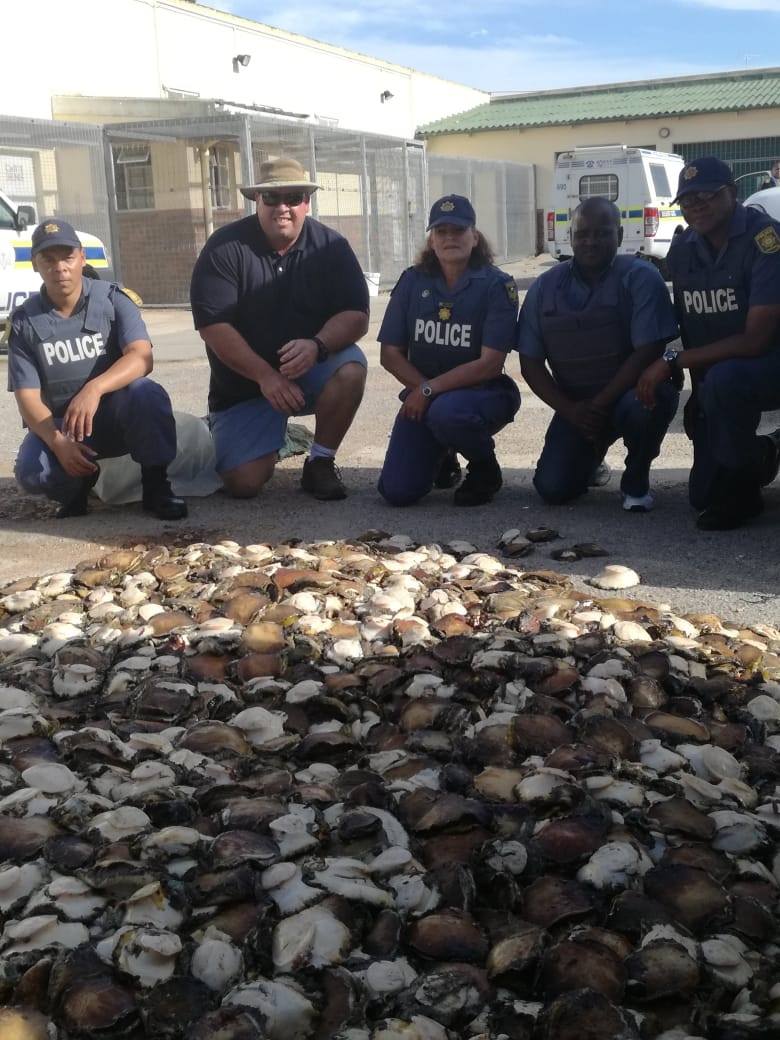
601,475
638,505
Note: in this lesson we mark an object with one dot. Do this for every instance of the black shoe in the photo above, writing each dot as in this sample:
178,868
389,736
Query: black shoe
322,479
729,516
449,473
78,505
483,480
158,497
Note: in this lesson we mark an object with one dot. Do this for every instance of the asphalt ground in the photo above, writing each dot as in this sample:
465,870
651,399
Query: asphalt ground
735,575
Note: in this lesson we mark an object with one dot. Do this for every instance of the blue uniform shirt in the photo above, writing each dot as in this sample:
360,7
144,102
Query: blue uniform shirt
59,355
441,328
270,298
647,311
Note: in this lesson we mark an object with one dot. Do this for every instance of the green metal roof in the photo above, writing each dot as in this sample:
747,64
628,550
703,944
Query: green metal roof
688,95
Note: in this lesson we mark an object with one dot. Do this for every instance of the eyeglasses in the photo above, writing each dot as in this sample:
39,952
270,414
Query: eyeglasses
700,198
284,198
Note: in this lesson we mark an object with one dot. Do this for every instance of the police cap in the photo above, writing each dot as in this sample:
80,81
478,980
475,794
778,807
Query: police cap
705,174
452,209
53,232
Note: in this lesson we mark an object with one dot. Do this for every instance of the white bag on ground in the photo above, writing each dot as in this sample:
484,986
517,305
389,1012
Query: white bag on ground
192,473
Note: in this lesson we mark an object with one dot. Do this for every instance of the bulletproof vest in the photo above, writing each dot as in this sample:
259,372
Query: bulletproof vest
712,300
70,351
586,348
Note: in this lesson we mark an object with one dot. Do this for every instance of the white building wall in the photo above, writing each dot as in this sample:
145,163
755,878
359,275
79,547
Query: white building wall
145,48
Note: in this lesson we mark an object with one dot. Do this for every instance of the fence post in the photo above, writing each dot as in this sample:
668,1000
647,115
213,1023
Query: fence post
407,216
505,212
315,206
113,219
365,203
247,166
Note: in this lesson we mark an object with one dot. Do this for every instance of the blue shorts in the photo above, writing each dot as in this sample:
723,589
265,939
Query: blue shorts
252,429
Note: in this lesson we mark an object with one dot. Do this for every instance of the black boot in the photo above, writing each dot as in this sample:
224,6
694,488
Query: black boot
158,498
78,504
483,480
735,499
449,472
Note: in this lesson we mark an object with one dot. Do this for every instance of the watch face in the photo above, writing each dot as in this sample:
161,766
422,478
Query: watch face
426,390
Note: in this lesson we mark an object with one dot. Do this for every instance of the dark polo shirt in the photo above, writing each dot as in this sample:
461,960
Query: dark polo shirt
270,299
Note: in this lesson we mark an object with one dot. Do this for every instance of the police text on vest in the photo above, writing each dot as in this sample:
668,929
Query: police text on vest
84,347
442,333
710,301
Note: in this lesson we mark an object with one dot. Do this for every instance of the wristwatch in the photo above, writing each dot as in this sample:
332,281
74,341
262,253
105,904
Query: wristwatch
322,350
426,389
670,357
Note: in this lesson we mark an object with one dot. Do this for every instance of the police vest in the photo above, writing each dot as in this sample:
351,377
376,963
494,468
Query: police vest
712,300
445,328
586,348
68,352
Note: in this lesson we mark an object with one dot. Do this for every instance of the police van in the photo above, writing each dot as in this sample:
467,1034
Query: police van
641,182
18,280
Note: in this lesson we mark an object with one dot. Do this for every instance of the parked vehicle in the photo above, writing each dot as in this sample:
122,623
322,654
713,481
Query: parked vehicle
641,182
18,280
767,200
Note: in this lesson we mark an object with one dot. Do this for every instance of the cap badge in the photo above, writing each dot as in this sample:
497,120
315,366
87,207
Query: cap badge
425,293
51,229
445,311
690,172
447,207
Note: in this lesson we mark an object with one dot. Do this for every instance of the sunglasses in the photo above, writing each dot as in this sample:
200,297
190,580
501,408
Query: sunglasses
699,198
284,198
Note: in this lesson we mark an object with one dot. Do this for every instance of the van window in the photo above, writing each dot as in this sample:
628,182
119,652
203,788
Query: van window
603,185
660,180
7,222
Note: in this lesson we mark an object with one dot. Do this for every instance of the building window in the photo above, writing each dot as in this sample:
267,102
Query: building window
603,185
219,176
133,176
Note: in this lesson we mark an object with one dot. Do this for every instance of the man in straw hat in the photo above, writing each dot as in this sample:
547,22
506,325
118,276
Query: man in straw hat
280,301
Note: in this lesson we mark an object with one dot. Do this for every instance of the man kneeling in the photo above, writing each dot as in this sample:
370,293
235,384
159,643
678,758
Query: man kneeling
78,355
597,321
280,300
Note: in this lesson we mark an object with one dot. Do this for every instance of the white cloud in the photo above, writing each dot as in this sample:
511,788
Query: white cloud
453,42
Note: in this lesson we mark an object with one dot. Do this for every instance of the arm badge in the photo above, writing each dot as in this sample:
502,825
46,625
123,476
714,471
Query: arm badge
511,291
768,240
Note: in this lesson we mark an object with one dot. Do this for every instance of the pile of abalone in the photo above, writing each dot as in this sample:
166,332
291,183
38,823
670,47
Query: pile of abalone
374,791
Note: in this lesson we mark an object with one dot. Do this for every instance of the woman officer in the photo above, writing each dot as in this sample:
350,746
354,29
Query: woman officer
447,330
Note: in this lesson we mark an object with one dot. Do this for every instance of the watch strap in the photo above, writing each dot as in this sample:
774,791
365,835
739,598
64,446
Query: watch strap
322,350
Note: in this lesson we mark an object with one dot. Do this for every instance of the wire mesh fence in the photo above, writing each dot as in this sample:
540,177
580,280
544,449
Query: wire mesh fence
502,194
56,170
154,190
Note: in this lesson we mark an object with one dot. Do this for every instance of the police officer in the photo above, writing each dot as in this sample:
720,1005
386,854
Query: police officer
445,336
78,353
587,330
725,269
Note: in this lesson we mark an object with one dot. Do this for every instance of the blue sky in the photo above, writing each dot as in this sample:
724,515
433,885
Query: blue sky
533,45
